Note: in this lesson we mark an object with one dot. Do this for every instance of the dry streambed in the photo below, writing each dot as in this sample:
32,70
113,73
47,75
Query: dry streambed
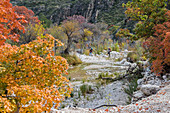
158,103
83,77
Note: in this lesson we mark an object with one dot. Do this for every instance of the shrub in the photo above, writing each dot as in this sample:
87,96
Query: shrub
86,89
83,89
77,59
159,49
72,94
86,52
72,59
132,57
131,87
116,47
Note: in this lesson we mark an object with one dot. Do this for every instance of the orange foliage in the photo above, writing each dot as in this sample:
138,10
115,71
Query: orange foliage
28,14
159,47
32,76
9,22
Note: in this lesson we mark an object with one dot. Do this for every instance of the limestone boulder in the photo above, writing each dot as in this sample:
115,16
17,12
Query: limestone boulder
149,89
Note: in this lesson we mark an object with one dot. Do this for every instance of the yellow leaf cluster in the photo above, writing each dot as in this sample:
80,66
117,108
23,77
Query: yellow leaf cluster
32,76
87,33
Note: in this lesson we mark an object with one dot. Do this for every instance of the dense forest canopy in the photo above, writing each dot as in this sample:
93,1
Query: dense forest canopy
94,11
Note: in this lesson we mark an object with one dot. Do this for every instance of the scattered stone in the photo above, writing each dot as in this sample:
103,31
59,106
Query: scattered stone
148,85
158,103
149,89
138,94
165,78
123,61
140,81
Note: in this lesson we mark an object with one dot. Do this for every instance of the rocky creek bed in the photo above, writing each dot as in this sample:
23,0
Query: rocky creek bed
157,103
112,92
86,74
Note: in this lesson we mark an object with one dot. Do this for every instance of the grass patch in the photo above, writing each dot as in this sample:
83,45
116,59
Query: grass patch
86,89
119,59
72,59
100,81
132,57
132,87
101,75
78,73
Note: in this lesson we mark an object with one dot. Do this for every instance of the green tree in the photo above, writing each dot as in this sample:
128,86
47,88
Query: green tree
46,22
32,32
56,31
153,27
148,13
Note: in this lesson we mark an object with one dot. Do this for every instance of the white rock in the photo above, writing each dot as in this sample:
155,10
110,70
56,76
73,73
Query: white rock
149,89
127,63
140,81
123,61
165,78
152,82
138,94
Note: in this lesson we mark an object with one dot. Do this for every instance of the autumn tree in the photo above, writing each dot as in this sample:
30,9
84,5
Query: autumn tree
80,19
33,28
32,32
78,30
56,31
27,13
148,13
10,22
159,49
100,34
86,35
151,15
70,28
31,76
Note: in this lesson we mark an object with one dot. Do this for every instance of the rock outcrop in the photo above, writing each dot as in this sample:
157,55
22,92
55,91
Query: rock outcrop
148,85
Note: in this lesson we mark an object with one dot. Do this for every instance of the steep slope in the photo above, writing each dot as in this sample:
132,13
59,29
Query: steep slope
109,11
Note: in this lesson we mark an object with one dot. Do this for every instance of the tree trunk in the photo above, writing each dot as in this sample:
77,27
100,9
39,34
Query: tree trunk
69,42
18,108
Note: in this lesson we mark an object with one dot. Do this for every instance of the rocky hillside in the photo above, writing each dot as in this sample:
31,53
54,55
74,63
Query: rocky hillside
109,11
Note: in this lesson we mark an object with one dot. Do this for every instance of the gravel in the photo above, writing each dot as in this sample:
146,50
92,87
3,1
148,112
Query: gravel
158,103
